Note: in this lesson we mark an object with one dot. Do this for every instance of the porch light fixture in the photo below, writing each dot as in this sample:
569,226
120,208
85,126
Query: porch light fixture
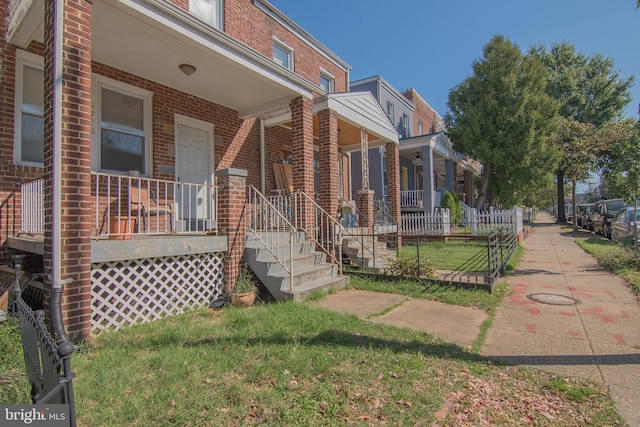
187,69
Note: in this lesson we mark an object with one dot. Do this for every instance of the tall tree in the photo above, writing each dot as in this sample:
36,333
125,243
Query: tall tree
501,116
580,148
588,89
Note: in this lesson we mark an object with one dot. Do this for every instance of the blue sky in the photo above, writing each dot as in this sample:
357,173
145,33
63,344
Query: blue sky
430,45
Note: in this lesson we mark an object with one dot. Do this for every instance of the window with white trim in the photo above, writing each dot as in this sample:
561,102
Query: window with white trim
389,110
29,110
210,10
122,127
283,54
405,126
327,82
420,128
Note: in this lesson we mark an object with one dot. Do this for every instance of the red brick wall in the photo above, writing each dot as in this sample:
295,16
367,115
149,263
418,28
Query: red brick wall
250,25
75,147
422,112
328,158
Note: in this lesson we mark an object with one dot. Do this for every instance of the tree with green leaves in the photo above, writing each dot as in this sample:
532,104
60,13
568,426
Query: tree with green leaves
589,90
580,148
502,116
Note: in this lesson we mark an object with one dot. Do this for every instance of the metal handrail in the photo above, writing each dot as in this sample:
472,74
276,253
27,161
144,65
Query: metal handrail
326,231
267,223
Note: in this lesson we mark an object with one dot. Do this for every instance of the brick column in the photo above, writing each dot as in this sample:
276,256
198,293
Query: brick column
76,215
365,206
302,144
328,144
393,184
232,197
302,154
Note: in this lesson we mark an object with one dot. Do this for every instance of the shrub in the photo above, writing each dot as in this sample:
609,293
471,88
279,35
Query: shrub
411,267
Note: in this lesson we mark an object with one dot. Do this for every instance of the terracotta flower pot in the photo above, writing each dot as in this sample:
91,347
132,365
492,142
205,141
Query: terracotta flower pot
121,227
243,300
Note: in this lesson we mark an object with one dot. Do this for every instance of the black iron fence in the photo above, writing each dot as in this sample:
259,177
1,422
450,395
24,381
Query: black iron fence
47,363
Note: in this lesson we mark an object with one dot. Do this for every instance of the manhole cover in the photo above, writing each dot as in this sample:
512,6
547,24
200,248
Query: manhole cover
552,299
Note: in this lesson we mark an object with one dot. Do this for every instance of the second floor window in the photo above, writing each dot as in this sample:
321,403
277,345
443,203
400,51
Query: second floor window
390,110
283,55
327,83
405,126
420,128
209,10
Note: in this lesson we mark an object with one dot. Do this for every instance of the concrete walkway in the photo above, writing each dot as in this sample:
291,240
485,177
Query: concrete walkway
566,315
597,337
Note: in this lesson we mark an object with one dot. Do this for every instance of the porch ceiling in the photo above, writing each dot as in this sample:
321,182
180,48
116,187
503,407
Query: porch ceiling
150,39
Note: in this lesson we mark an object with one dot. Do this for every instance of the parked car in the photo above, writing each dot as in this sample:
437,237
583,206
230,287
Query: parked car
604,211
584,215
568,212
623,224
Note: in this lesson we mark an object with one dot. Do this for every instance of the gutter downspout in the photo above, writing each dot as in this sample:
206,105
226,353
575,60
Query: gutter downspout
55,306
263,168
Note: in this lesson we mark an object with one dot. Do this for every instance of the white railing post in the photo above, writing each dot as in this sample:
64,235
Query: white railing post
474,221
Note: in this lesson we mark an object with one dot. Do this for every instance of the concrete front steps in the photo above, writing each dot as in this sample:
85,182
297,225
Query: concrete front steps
311,271
365,252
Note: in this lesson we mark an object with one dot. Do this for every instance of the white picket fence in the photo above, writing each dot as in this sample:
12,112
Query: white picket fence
436,224
481,223
510,221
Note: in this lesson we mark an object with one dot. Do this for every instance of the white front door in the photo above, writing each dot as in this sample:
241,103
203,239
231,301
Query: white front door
194,166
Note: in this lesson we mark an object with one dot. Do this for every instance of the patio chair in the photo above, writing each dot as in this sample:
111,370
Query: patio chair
145,204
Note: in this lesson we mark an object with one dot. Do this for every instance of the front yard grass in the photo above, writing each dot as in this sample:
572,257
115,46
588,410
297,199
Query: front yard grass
296,365
620,260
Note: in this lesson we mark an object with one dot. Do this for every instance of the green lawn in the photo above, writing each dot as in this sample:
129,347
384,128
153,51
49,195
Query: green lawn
620,260
295,365
450,255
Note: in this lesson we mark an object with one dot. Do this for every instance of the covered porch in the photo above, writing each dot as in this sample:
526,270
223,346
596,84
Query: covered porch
428,167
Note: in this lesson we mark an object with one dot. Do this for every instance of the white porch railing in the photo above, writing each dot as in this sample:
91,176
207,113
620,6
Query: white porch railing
411,198
436,224
32,209
124,205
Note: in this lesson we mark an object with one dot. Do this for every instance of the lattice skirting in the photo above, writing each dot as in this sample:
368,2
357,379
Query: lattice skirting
125,293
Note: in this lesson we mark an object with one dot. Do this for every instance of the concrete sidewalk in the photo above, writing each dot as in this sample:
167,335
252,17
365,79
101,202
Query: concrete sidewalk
569,316
566,315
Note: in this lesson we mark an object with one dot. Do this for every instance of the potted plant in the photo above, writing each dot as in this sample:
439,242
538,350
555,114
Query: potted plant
245,289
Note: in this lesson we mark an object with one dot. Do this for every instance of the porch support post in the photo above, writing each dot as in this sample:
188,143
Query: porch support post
67,156
427,179
393,184
328,157
364,155
365,205
450,175
302,144
232,196
302,153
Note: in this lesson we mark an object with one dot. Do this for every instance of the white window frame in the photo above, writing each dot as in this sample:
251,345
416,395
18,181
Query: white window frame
389,110
216,20
331,81
405,125
420,128
23,58
98,83
286,49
